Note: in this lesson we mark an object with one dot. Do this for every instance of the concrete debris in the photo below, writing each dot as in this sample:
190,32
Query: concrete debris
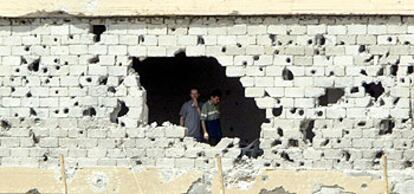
33,191
243,174
279,190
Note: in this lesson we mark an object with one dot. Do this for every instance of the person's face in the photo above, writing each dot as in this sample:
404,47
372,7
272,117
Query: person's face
194,94
215,100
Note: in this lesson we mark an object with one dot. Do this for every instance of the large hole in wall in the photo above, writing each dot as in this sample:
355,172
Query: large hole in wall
169,79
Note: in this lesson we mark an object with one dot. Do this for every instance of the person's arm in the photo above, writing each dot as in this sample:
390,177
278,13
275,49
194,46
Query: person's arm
203,118
182,121
182,115
195,101
203,126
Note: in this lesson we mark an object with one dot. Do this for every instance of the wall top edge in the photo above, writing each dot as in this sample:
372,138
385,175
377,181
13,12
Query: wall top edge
122,8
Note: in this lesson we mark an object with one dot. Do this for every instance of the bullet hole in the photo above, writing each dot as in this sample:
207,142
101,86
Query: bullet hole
13,89
141,39
325,142
16,115
256,57
94,60
120,110
290,42
331,73
394,70
266,164
293,110
310,41
280,132
200,40
293,143
373,89
386,126
35,139
407,164
33,112
361,49
81,132
346,155
24,61
380,72
331,96
286,157
395,101
88,79
288,60
379,154
320,40
103,80
66,110
287,74
97,30
276,52
319,113
382,103
70,36
34,66
55,39
17,70
275,143
89,112
44,158
223,49
28,95
313,71
306,128
389,39
301,112
5,125
277,111
56,111
363,72
273,39
111,89
44,70
369,59
361,123
354,90
410,69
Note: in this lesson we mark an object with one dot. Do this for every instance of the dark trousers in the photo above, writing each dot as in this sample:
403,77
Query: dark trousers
214,131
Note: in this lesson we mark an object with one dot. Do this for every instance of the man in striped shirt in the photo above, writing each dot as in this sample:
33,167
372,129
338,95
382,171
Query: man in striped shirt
210,119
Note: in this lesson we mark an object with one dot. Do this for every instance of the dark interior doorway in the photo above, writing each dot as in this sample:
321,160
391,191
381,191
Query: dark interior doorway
169,79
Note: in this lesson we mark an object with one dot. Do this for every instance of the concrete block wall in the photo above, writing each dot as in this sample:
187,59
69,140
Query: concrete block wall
336,90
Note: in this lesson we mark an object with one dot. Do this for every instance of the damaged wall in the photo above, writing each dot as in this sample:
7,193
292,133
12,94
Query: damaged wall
336,90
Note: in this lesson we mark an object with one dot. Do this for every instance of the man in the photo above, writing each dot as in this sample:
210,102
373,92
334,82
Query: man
210,119
190,115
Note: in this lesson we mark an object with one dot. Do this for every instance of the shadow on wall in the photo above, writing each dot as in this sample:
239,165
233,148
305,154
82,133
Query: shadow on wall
169,79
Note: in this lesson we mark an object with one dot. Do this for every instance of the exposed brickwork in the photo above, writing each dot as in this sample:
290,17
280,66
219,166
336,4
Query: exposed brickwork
336,90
